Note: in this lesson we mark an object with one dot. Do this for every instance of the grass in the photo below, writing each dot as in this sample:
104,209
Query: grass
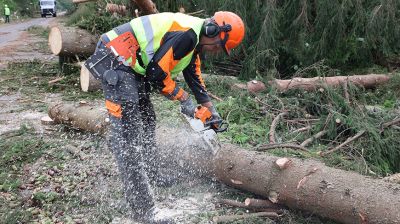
19,148
40,31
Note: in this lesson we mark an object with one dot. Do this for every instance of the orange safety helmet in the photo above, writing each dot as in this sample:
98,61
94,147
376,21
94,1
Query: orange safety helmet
233,36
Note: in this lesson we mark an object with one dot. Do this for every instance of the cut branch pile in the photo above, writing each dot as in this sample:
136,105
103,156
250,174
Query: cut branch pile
81,117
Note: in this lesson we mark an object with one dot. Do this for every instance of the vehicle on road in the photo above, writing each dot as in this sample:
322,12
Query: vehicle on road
48,7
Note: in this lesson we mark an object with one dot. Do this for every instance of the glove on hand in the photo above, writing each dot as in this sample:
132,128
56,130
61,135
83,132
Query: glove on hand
187,107
215,116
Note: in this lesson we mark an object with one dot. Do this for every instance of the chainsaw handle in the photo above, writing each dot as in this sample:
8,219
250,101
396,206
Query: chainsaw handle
218,125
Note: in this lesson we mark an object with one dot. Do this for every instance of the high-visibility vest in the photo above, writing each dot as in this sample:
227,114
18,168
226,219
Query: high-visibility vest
7,11
149,31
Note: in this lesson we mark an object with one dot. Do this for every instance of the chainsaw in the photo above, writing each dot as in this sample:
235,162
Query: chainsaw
203,124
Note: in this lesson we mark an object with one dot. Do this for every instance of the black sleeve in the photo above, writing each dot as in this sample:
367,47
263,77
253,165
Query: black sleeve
175,45
192,75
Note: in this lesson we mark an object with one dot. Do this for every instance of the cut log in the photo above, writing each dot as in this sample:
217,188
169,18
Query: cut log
146,7
118,9
88,82
366,81
82,117
308,185
70,41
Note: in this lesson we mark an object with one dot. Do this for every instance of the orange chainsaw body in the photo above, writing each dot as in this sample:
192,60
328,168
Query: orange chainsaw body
203,114
124,46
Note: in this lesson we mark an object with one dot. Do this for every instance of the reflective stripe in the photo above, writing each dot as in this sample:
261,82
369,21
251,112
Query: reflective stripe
111,35
104,39
126,27
148,30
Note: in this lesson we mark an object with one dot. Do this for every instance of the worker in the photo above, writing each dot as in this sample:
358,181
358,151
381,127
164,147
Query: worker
7,13
148,52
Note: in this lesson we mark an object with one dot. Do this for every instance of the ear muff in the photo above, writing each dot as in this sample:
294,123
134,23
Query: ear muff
211,29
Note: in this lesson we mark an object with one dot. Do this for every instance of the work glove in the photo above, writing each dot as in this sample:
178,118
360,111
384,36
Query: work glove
187,107
215,119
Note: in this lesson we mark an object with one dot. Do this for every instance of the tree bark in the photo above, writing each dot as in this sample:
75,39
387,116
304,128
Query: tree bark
88,82
146,7
366,81
70,41
114,8
308,185
82,117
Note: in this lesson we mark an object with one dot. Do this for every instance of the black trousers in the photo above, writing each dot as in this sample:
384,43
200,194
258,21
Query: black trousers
132,136
7,19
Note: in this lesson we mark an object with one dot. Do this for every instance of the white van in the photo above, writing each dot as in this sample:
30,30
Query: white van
48,7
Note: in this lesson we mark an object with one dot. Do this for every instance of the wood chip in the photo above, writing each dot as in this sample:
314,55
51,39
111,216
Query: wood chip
237,182
46,120
283,163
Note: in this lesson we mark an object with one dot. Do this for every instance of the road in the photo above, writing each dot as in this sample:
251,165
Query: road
18,45
11,32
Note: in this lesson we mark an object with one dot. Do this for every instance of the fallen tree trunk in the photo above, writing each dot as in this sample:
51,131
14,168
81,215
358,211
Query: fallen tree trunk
114,8
70,41
88,82
82,117
146,7
366,81
308,185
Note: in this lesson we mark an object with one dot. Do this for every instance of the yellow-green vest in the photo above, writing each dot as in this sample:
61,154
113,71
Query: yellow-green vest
149,31
7,11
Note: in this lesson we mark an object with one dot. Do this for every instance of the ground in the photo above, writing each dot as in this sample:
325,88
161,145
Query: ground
53,174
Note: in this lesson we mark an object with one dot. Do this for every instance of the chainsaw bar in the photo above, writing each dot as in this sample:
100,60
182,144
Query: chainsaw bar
207,134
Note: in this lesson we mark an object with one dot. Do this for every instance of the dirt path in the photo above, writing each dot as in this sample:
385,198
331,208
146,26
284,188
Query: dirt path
12,32
17,44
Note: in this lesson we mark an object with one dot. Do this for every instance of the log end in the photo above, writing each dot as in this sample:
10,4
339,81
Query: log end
55,40
84,78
